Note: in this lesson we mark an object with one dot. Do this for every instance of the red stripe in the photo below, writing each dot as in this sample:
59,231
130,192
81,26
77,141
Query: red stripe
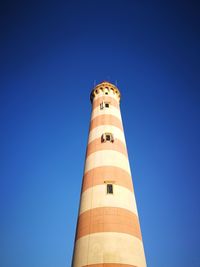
108,219
97,176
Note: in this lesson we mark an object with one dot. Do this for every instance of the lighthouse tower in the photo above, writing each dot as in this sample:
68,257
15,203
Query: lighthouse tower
108,230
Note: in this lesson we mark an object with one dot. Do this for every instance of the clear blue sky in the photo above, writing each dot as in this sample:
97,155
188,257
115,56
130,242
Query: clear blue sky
50,54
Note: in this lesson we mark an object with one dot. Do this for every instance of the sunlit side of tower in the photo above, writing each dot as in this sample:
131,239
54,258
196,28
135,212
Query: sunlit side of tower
108,230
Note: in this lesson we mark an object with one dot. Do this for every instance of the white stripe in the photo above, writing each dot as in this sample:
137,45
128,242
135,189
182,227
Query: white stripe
109,247
97,197
106,111
111,94
107,158
98,131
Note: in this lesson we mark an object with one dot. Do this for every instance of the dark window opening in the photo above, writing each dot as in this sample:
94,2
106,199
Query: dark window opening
108,137
109,188
106,93
107,105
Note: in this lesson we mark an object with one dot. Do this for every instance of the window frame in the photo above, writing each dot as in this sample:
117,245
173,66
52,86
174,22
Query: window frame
104,138
102,105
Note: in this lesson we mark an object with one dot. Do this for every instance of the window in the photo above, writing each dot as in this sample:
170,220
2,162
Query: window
107,105
109,188
106,93
104,104
107,137
101,105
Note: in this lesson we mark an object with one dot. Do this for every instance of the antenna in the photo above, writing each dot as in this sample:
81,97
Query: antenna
116,82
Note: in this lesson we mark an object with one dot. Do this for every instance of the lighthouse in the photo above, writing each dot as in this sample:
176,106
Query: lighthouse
108,230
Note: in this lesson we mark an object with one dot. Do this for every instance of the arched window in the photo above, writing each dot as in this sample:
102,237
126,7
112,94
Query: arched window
106,91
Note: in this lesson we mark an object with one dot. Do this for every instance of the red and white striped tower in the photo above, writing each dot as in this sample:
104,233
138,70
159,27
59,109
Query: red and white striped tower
108,230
